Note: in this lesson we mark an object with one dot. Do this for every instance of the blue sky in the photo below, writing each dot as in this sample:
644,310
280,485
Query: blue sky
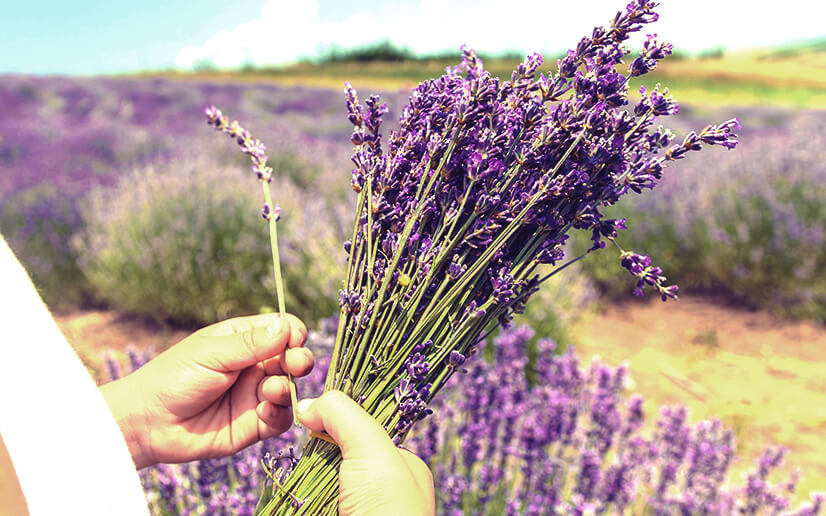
95,37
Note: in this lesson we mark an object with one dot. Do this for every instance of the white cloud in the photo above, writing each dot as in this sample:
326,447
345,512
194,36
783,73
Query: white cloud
284,33
289,30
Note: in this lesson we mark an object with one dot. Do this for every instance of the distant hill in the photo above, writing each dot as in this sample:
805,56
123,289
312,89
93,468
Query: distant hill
791,75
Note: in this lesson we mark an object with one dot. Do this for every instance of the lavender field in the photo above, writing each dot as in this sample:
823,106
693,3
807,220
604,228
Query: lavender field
115,193
74,156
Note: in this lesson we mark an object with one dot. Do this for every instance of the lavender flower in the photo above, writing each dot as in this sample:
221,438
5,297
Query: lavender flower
640,266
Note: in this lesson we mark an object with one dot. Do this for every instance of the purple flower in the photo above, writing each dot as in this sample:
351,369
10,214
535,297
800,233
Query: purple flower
455,358
648,275
652,52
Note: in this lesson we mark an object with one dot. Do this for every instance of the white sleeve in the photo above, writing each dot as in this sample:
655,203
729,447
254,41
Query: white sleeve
67,450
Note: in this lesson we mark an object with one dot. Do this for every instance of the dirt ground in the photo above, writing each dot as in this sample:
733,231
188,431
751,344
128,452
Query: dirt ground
764,378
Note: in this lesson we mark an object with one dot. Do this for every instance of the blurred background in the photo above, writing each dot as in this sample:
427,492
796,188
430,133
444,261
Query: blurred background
138,223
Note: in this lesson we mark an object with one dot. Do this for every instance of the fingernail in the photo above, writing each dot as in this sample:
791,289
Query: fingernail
303,406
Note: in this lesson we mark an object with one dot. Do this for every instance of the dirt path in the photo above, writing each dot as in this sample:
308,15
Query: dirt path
95,333
764,378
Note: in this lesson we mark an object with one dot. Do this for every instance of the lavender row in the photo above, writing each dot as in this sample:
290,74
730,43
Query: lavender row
61,138
749,224
573,441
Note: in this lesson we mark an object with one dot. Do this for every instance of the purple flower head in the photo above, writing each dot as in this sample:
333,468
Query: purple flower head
456,359
271,213
455,269
589,473
568,65
652,52
503,284
605,229
422,347
349,301
656,103
417,367
215,117
404,390
253,147
722,134
647,275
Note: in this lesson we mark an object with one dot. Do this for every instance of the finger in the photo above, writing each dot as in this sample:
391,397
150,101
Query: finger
234,344
421,474
274,389
240,324
273,419
272,366
357,434
300,362
298,331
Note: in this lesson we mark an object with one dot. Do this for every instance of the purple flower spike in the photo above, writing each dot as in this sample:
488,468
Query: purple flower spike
456,359
722,134
652,52
253,147
271,213
647,275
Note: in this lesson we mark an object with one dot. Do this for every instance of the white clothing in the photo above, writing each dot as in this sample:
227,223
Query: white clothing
67,450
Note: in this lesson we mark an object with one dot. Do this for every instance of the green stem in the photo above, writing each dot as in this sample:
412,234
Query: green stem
279,284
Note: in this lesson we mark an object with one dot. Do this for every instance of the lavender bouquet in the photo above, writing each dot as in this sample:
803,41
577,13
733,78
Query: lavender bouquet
467,212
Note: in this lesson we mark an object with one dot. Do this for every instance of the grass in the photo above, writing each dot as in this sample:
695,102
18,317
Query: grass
794,78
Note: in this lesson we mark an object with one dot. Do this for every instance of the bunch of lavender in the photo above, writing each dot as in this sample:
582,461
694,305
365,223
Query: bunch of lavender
479,188
575,441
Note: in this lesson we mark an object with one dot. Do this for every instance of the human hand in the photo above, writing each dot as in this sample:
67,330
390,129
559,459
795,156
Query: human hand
214,393
376,477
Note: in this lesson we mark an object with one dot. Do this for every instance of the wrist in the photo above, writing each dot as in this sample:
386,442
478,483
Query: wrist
125,405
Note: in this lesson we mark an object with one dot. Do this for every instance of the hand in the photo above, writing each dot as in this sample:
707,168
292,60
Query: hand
376,478
214,393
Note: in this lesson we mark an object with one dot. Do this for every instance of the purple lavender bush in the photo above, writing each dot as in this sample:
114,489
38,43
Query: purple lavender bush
183,242
573,441
38,223
749,224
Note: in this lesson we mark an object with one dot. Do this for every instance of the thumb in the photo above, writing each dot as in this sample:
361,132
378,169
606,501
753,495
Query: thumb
358,435
237,343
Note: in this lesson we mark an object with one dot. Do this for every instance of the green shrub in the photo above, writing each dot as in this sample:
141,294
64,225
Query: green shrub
184,242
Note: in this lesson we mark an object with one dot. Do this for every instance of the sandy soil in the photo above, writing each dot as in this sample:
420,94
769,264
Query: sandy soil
95,333
765,378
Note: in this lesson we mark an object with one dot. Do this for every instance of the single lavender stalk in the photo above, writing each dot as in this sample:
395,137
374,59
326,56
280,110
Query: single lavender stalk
271,213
